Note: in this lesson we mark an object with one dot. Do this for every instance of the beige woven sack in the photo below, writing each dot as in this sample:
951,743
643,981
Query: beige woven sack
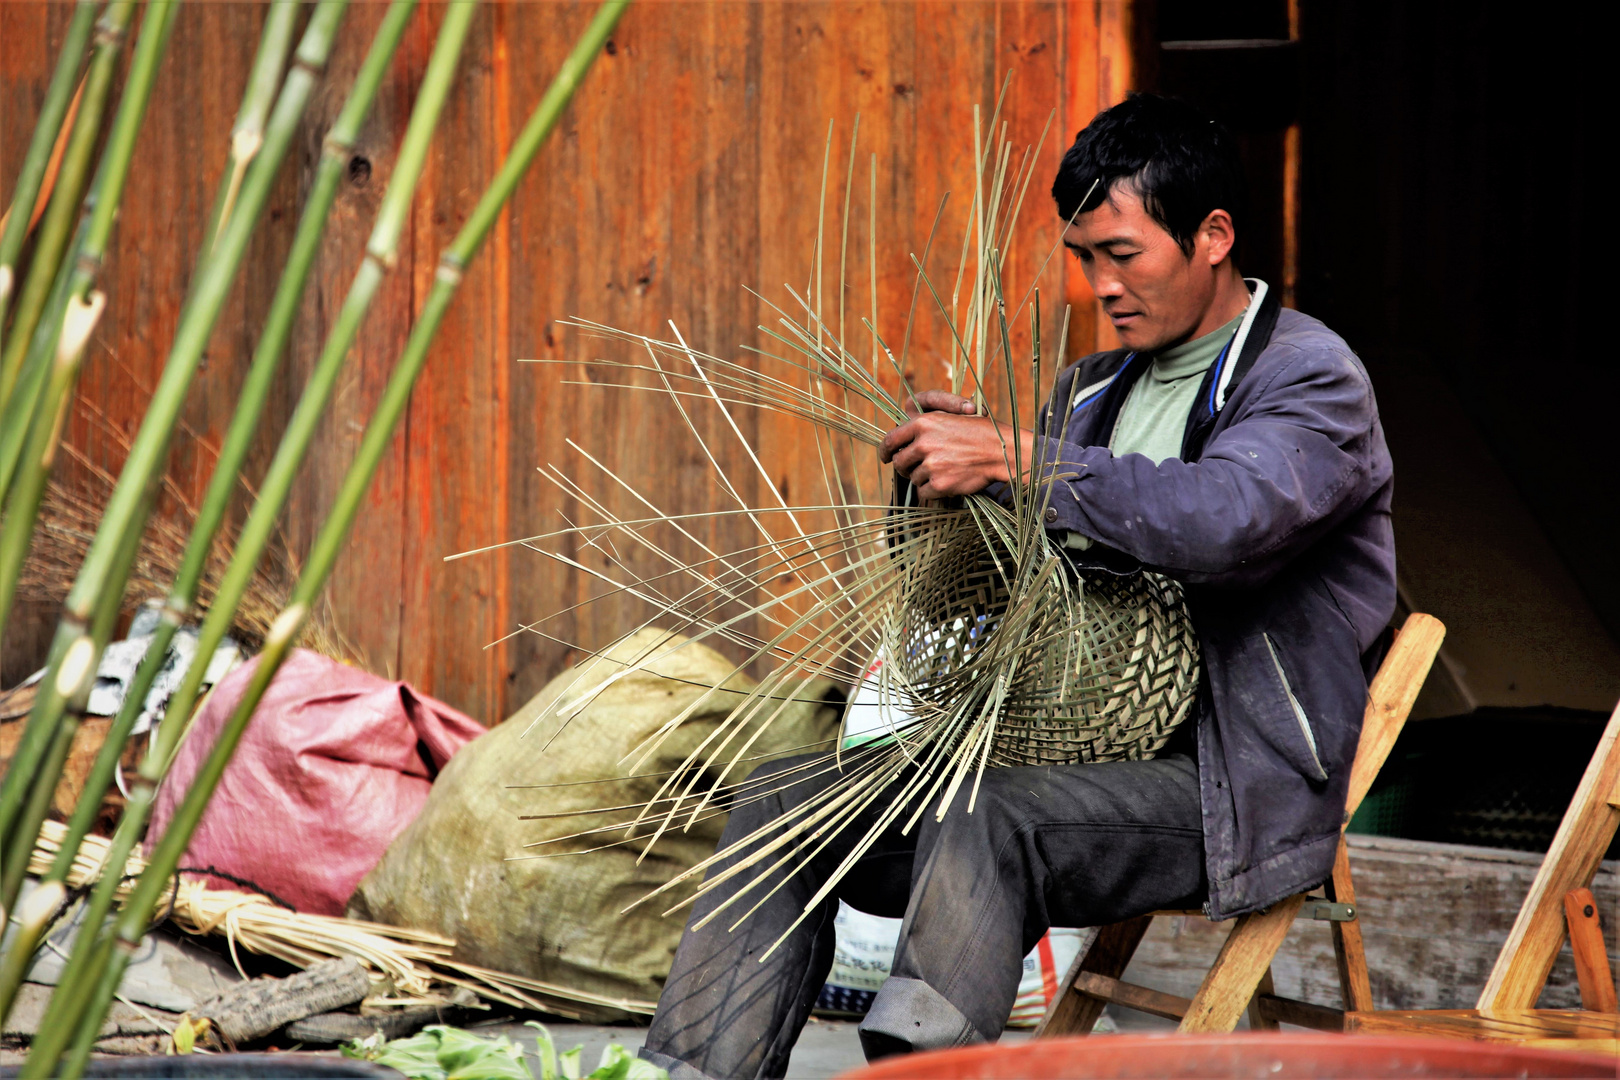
558,919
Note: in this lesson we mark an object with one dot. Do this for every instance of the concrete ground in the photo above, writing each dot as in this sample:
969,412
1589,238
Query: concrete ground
826,1048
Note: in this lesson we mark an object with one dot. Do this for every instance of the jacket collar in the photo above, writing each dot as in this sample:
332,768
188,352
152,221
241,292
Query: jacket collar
1097,406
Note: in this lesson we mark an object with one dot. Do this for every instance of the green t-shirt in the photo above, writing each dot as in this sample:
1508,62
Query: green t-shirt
1154,416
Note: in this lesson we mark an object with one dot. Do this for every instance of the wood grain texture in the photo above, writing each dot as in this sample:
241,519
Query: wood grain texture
687,167
1260,1019
1591,957
1108,954
1583,836
1558,1029
1433,917
1243,962
1349,947
1281,1010
1389,700
1131,996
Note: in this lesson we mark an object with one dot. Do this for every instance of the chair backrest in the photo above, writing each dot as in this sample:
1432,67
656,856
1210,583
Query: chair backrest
1583,836
1389,700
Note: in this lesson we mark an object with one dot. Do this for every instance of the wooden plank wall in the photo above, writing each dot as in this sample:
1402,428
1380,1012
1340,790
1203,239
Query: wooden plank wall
688,167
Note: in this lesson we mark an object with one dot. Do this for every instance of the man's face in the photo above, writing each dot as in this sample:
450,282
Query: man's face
1152,291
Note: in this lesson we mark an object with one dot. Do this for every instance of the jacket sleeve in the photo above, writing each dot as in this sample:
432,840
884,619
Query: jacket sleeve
1297,458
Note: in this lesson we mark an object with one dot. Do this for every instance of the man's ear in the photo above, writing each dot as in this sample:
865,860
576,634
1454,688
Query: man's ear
1219,235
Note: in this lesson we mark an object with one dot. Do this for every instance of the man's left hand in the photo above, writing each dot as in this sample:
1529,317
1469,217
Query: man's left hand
945,453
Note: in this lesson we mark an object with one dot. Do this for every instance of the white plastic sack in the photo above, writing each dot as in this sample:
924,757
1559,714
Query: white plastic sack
864,957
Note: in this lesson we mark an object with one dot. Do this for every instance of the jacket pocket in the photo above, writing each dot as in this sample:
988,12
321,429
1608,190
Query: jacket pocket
1298,710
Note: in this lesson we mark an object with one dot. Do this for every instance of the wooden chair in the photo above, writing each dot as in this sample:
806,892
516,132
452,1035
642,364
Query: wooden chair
1559,903
1240,978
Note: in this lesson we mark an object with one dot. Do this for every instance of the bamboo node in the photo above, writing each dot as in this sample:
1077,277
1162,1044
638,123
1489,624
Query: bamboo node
286,626
77,667
78,322
40,904
245,143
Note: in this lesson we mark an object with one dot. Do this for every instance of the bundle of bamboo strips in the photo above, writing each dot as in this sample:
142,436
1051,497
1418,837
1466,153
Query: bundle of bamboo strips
408,966
986,646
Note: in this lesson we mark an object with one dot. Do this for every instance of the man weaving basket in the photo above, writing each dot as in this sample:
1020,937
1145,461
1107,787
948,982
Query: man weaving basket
1231,446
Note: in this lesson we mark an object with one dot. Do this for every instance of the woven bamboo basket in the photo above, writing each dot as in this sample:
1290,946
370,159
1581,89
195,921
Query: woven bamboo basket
1105,667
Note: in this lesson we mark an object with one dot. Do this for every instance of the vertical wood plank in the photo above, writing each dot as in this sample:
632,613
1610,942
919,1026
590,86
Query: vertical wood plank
1099,70
687,168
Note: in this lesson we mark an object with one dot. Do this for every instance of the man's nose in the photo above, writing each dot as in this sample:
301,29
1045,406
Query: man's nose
1106,285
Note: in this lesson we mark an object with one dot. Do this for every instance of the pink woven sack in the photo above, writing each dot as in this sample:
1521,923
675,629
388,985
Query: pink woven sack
335,763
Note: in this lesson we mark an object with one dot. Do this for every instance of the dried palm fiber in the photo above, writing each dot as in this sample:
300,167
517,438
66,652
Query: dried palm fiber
407,966
986,646
69,515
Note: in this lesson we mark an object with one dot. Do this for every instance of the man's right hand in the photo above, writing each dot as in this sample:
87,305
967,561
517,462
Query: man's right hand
940,401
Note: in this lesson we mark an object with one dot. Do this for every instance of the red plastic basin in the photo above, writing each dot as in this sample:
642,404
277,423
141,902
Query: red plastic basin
1239,1057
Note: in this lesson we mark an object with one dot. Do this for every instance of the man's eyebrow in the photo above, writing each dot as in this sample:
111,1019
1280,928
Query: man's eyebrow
1110,242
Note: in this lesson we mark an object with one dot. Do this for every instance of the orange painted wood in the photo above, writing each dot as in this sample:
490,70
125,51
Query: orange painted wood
1591,955
1101,68
687,168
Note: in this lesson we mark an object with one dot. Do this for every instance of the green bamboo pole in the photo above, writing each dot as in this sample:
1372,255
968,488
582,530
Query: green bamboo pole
274,489
18,412
103,574
148,889
82,309
40,733
247,134
14,963
381,253
54,230
334,160
338,145
60,214
35,162
266,360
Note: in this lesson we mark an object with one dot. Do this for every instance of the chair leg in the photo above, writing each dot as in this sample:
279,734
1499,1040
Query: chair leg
1348,949
1245,958
1110,952
1591,954
1258,1021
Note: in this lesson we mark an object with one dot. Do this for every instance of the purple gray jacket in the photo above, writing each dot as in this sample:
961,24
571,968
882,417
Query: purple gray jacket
1277,520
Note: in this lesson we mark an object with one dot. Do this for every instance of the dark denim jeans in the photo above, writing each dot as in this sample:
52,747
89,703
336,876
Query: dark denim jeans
1075,845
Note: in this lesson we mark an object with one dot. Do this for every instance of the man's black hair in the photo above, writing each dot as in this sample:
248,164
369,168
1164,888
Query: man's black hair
1180,162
